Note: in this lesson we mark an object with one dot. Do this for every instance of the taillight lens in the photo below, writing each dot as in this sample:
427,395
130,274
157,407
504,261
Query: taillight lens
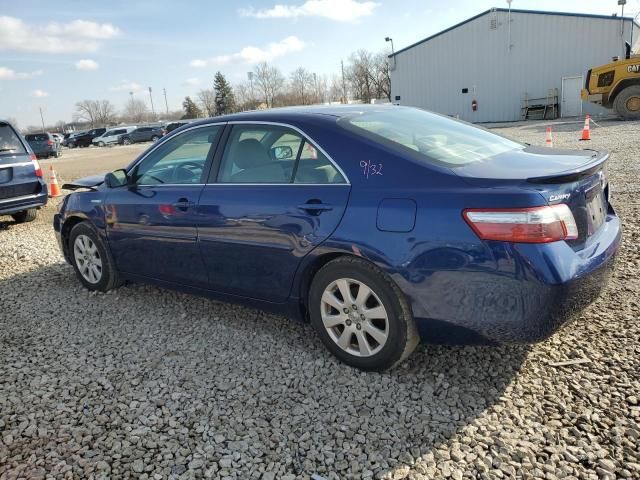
527,225
49,142
36,165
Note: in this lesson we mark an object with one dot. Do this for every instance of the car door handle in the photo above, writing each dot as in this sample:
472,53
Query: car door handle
315,208
183,204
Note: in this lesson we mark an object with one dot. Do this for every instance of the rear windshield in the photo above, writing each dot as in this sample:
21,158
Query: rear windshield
10,144
37,137
429,137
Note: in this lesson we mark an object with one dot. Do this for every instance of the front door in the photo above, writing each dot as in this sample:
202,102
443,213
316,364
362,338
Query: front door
151,224
571,101
273,199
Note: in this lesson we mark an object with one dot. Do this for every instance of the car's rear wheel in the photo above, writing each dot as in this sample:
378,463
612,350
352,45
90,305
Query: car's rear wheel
25,216
101,144
155,138
126,141
361,315
91,260
71,145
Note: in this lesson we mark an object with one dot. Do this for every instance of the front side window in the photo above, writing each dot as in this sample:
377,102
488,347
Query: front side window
429,137
181,160
265,154
10,144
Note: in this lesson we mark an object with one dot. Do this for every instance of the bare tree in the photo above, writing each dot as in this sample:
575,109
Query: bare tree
269,81
96,112
381,75
301,83
207,98
359,75
135,111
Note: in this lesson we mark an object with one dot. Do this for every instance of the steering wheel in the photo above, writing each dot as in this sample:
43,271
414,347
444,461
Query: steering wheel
190,167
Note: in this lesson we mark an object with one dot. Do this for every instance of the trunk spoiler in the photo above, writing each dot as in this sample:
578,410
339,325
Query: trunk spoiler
89,183
597,163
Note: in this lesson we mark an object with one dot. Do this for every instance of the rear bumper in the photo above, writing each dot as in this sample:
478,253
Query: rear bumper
10,206
535,290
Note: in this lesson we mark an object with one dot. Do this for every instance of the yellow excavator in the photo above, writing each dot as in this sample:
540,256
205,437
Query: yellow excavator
616,85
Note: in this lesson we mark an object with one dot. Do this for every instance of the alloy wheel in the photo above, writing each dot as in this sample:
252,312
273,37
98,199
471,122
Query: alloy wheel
354,317
87,258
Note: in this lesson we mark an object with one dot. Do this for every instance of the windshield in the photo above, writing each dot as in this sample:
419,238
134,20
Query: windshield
429,137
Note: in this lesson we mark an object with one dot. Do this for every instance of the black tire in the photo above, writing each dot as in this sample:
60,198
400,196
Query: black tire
101,144
71,145
627,103
126,141
109,278
25,216
155,138
402,335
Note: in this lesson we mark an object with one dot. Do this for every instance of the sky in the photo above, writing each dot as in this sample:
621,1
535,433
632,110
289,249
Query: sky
53,54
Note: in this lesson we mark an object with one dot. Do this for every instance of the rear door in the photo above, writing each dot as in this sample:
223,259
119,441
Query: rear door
272,197
151,224
17,172
39,142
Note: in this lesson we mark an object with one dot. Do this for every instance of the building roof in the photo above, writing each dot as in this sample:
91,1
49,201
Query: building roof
513,10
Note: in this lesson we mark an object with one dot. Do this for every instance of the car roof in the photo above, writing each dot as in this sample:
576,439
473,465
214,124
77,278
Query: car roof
327,112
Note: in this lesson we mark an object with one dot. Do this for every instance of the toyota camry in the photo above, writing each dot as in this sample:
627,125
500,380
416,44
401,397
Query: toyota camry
381,225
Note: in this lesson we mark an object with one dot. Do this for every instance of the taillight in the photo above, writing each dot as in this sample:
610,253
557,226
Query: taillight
49,142
523,225
36,165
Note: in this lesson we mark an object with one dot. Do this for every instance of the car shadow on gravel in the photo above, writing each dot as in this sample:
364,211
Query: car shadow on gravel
153,379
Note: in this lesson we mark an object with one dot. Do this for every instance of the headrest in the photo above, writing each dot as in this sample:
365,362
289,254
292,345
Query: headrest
250,153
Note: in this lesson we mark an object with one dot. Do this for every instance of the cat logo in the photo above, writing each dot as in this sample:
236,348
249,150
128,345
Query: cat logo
634,68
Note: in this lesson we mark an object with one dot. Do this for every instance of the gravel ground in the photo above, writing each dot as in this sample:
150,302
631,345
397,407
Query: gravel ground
148,383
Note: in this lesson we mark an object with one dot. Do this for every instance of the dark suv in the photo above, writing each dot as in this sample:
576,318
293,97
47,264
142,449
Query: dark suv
22,190
142,134
44,145
85,139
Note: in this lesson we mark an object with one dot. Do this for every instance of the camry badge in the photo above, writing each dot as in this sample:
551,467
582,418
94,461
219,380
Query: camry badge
562,196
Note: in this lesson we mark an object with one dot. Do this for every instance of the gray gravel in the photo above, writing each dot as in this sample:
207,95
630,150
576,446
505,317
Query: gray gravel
148,383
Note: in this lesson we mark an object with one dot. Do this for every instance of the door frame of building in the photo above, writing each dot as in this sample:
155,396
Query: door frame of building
570,77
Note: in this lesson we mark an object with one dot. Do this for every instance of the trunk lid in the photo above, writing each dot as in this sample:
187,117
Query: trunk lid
574,177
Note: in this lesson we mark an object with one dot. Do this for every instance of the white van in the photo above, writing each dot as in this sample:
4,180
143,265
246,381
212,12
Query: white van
111,136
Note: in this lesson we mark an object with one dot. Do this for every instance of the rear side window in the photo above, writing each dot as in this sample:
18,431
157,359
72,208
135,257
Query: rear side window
428,137
10,144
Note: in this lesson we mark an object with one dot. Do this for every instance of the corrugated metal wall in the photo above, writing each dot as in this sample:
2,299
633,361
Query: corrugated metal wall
544,48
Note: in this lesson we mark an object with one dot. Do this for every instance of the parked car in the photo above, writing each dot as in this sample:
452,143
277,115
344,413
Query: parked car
68,137
22,189
111,137
44,145
84,139
142,134
170,127
59,138
382,225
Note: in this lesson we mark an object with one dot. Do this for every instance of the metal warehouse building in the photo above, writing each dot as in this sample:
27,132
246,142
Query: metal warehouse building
505,65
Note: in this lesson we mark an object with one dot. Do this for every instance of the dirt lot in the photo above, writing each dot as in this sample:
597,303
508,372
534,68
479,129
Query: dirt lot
148,383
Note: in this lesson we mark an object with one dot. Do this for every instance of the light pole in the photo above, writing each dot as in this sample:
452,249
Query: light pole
389,39
166,104
250,77
41,118
151,98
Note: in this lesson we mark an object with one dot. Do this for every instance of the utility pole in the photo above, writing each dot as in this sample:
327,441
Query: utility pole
166,105
41,118
153,112
344,85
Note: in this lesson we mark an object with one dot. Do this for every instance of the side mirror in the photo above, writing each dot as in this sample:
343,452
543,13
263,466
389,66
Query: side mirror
282,152
116,179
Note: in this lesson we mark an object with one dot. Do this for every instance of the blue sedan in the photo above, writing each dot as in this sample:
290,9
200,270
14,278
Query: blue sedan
380,225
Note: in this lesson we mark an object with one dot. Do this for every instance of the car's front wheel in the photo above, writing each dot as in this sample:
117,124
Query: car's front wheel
126,141
361,315
155,138
91,260
101,144
25,216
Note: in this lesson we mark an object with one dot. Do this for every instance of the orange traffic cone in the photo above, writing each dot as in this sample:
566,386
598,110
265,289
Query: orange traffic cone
586,133
549,139
54,188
